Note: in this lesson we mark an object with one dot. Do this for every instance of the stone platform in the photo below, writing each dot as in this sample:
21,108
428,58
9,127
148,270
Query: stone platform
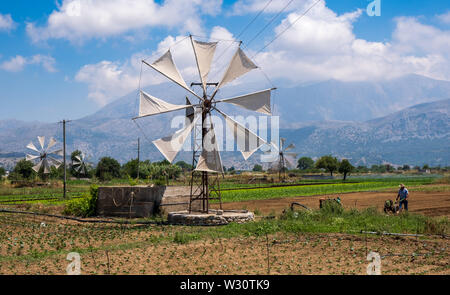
214,217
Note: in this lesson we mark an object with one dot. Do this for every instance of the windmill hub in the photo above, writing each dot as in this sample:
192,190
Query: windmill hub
207,104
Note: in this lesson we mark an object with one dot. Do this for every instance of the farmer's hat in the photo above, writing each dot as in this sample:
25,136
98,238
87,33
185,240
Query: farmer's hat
401,185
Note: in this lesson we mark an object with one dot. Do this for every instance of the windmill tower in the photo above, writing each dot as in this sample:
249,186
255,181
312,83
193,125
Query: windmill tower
206,157
285,160
45,156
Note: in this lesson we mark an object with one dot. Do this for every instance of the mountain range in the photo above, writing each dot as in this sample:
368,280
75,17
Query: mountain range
400,121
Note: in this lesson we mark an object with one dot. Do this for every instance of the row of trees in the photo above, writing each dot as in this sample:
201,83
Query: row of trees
329,163
107,168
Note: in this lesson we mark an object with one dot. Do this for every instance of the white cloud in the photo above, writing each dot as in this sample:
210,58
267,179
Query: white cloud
17,63
322,46
445,18
108,80
6,22
78,20
242,7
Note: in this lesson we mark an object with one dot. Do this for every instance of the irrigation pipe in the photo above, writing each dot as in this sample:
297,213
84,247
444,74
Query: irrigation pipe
82,220
399,234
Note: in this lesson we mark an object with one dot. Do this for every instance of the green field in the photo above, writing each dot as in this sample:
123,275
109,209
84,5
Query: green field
233,190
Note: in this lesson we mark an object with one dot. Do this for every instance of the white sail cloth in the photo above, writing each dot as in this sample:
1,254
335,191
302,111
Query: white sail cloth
257,101
209,160
204,54
169,146
247,141
166,66
240,64
150,105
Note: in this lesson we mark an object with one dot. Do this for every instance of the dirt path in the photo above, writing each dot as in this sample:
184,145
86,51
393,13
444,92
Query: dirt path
430,204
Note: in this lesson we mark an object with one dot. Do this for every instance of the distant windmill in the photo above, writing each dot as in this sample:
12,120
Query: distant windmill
284,159
206,157
45,156
80,164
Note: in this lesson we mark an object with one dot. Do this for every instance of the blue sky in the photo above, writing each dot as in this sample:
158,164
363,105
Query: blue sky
53,66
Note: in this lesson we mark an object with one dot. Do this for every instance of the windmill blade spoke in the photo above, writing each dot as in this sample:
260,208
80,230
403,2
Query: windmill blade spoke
150,105
37,167
239,65
51,143
293,155
31,157
169,146
247,141
204,54
166,67
290,161
41,141
290,147
54,162
57,152
31,146
256,101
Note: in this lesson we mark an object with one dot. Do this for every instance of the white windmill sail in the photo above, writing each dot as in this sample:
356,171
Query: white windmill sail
240,64
51,143
41,141
170,145
247,141
204,54
31,146
290,147
209,160
150,105
166,66
256,101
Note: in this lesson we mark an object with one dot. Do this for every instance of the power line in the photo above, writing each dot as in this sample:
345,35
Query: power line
245,29
292,24
270,22
253,20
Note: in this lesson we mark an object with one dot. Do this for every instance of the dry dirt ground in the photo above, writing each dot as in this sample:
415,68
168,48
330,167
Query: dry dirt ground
426,203
113,249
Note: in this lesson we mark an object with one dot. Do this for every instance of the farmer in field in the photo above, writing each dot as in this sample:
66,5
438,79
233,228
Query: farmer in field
403,197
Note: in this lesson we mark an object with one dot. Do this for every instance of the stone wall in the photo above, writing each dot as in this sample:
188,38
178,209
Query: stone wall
142,201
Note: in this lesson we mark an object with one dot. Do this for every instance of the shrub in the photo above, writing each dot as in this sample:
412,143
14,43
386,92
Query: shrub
331,207
85,206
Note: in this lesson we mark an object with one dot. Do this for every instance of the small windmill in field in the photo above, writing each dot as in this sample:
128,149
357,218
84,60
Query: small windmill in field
206,157
80,164
45,156
284,160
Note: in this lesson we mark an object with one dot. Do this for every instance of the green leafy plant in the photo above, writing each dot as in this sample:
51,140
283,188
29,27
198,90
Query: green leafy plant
85,206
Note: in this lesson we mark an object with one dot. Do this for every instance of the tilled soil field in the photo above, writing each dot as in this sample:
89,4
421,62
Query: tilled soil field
31,248
426,203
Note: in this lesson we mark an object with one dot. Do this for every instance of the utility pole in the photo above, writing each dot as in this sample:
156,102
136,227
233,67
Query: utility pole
64,152
139,150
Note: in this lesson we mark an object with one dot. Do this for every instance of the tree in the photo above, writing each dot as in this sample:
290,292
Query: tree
346,168
107,168
24,169
305,163
257,168
2,172
328,163
425,167
406,168
183,165
130,168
